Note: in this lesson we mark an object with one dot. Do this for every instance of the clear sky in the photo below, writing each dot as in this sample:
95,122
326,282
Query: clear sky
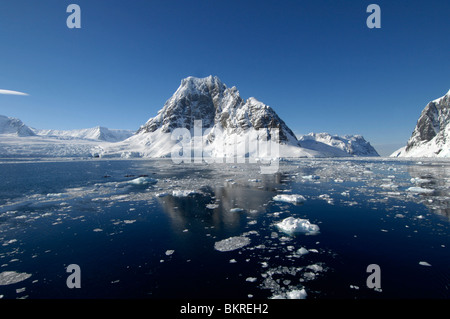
315,62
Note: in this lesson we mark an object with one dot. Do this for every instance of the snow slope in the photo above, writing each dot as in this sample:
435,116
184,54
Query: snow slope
14,126
337,146
431,136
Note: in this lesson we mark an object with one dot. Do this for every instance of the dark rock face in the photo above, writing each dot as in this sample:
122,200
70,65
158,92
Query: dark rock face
433,124
209,100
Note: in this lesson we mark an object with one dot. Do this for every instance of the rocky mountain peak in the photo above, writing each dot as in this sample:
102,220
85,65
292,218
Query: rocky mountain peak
431,136
211,101
432,122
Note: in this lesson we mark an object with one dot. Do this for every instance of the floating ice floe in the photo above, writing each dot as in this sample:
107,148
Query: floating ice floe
302,251
424,263
311,177
12,277
232,243
143,181
389,186
212,206
293,294
293,225
236,210
417,180
169,252
183,193
162,194
420,190
296,199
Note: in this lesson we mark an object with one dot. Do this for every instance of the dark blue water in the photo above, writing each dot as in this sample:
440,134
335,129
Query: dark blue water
141,241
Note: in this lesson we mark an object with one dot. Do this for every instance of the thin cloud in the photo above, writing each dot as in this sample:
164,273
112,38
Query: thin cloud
9,92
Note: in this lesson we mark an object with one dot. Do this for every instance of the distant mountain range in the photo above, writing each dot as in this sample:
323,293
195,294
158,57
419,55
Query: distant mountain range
337,146
229,126
15,127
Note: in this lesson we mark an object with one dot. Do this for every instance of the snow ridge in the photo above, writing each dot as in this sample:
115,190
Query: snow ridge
337,146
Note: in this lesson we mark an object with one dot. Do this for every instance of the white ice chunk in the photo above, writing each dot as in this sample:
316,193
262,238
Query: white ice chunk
232,243
302,251
420,190
143,181
424,263
12,277
236,210
293,225
293,294
183,193
311,177
289,198
169,252
417,180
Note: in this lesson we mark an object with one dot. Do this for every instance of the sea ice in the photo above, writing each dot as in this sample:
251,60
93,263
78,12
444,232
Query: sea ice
424,263
311,177
293,294
232,243
302,251
420,190
417,180
293,225
12,277
143,181
183,193
236,210
289,198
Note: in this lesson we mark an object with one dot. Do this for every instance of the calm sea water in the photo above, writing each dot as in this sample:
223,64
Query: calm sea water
159,236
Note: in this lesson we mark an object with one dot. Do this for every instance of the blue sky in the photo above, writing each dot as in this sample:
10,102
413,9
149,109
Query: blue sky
315,62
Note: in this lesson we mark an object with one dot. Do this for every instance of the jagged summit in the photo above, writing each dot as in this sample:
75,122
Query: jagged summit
431,136
211,101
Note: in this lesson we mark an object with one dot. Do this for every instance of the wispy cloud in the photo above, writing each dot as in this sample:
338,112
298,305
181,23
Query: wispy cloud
9,92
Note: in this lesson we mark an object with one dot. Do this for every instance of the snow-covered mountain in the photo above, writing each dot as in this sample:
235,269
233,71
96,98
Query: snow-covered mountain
14,126
230,125
431,137
337,146
204,118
